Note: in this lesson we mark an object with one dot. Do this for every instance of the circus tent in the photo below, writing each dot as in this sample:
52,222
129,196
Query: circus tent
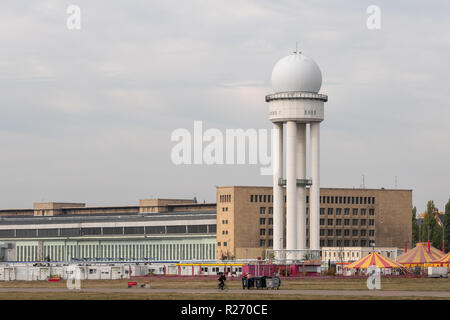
445,260
374,259
420,255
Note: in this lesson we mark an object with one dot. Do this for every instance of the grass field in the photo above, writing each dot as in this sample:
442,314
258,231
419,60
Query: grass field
180,296
406,284
387,284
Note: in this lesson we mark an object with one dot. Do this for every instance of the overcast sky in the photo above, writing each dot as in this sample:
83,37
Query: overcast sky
86,115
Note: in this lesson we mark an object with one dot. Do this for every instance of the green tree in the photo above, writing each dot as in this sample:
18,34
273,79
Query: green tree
436,237
415,227
430,225
428,220
447,226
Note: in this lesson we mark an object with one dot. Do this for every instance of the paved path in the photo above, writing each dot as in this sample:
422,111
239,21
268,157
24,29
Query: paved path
376,293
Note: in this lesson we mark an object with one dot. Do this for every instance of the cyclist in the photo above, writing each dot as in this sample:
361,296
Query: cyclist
222,280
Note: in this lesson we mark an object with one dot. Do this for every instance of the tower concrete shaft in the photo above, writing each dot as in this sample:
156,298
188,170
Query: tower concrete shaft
277,162
301,189
291,185
314,195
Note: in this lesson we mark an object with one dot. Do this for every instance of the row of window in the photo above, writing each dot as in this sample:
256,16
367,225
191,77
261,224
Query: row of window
355,211
347,200
328,243
262,232
342,254
330,211
263,221
262,210
330,222
355,222
345,243
216,269
225,198
328,232
262,242
323,199
338,232
77,232
118,251
261,198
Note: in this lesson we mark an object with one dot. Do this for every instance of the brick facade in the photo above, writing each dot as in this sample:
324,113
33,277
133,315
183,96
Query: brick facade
348,217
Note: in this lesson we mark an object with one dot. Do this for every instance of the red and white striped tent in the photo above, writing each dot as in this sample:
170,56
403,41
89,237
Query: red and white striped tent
422,254
374,259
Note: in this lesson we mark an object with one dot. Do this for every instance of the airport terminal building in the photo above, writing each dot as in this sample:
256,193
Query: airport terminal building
239,226
157,229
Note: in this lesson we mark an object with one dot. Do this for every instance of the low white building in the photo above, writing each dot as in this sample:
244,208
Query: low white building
43,271
352,254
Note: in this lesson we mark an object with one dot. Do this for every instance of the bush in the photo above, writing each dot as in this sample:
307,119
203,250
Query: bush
330,272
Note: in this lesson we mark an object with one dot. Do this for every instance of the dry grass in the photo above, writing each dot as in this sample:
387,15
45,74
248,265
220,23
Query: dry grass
407,284
396,284
387,284
184,296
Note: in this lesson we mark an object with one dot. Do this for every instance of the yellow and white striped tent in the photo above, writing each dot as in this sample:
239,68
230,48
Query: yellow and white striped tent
420,256
445,260
374,259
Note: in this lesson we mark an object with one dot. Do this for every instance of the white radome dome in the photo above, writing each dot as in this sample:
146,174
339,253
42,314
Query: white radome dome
296,72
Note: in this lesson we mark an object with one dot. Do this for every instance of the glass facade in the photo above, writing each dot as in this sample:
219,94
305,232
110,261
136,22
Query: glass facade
183,249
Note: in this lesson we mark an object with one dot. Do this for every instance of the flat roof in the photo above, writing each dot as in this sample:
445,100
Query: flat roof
329,188
113,207
165,216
